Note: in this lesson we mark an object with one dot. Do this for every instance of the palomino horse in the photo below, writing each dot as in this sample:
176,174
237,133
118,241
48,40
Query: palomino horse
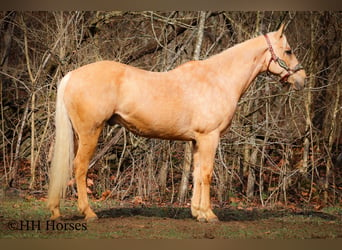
193,102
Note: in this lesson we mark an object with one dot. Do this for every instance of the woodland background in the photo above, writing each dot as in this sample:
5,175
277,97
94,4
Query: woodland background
284,147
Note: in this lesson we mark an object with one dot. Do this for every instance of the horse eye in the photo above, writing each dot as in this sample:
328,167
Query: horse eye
288,52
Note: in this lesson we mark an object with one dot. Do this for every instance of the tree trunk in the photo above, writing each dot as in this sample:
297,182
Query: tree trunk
33,101
251,175
265,142
183,188
331,139
308,104
252,155
162,176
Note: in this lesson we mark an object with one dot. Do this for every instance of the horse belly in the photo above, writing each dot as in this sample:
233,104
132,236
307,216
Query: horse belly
152,128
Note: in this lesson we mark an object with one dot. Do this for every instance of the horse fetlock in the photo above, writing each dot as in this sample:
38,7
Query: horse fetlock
195,211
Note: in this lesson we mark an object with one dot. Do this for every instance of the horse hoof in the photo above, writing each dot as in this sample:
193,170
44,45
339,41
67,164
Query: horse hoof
201,219
213,220
55,217
91,219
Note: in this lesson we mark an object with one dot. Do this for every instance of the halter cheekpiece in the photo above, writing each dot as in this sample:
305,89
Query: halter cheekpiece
281,62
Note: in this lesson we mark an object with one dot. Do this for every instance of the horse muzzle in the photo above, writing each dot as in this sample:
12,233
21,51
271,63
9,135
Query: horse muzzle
297,83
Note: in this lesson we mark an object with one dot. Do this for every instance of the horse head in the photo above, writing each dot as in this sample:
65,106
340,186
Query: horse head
281,60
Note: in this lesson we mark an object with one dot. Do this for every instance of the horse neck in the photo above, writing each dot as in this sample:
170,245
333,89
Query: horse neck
239,65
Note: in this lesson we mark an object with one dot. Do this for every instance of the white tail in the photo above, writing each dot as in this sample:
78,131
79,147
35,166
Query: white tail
63,156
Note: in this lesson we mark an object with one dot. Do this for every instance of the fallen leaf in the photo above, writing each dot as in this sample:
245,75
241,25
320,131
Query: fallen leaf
89,191
318,207
137,200
90,182
104,195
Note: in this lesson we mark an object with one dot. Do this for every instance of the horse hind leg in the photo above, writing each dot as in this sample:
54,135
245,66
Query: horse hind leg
86,146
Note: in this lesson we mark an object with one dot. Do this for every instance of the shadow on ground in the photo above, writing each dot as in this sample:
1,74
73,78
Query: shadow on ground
223,214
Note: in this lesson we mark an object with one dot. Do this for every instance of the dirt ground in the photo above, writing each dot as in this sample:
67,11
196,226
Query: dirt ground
249,225
29,219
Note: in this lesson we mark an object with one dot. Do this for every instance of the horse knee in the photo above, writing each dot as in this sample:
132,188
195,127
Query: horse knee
206,176
206,180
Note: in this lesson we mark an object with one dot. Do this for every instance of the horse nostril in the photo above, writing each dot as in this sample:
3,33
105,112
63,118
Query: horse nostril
299,85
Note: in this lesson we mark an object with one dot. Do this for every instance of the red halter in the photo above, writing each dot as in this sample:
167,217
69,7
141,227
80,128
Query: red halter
281,62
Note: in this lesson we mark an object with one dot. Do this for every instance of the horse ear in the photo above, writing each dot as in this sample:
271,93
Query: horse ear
280,31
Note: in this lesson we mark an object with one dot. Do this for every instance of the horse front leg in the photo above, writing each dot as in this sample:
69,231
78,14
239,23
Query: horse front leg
196,193
204,155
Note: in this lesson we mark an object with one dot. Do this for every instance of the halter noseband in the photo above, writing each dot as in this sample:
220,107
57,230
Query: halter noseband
281,62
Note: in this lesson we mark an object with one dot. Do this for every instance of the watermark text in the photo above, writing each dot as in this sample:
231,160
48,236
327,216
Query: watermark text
49,225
